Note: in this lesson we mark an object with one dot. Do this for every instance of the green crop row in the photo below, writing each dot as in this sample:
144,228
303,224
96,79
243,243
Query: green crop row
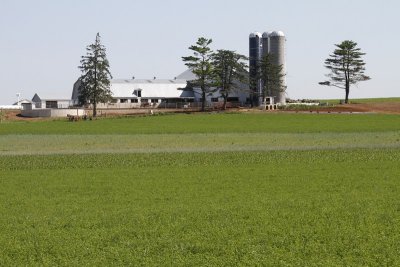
212,123
191,142
234,158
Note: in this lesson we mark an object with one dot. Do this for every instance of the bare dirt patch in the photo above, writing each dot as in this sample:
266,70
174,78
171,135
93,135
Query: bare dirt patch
377,107
382,107
15,115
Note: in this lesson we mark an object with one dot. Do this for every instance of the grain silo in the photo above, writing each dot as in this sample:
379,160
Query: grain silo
255,53
265,43
276,47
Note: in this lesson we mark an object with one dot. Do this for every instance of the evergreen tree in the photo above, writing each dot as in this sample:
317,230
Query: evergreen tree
347,67
271,76
230,71
201,65
95,78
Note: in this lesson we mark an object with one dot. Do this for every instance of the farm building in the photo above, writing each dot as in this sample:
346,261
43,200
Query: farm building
50,102
49,107
131,93
23,104
142,92
240,95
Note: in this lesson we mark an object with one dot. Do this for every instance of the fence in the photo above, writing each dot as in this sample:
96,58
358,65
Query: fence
52,112
213,105
166,105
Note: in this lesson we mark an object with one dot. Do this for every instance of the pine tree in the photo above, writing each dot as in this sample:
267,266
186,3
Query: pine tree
347,67
230,71
96,76
201,65
271,76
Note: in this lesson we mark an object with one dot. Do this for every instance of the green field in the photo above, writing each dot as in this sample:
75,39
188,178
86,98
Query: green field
202,190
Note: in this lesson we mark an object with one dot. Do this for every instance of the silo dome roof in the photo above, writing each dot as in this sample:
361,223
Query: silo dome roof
276,34
266,34
254,34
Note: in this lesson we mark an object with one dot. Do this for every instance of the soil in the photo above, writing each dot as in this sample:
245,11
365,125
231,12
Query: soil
15,115
383,107
378,107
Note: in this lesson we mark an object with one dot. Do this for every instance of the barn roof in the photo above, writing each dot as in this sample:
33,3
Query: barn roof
156,88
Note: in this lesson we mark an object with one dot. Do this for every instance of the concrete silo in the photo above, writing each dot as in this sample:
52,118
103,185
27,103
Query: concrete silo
276,47
265,43
255,53
265,51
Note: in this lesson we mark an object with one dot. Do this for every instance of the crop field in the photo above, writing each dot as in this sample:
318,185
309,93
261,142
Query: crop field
202,190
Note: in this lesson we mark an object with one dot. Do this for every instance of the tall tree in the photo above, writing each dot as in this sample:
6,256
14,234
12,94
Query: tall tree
271,76
96,76
347,67
201,65
230,71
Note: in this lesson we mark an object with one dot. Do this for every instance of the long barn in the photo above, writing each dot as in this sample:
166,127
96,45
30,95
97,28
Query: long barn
140,92
132,93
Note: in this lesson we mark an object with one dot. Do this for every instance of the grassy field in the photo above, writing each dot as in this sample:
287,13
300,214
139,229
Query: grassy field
213,190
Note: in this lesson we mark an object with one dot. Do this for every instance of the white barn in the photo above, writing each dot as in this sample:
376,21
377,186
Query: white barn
131,93
141,93
50,102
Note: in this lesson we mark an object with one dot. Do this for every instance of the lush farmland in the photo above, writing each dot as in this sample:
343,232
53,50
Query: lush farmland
215,189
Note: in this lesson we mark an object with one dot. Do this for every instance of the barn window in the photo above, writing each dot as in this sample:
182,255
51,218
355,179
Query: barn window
233,99
51,104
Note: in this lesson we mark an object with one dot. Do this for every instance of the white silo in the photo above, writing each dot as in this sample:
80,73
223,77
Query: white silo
276,47
265,43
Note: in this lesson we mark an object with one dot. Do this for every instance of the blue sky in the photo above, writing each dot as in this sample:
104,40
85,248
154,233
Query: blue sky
42,41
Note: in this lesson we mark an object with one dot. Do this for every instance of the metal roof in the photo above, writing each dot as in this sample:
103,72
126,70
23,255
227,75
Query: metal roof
23,101
187,75
158,88
254,34
277,34
36,97
148,81
266,34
